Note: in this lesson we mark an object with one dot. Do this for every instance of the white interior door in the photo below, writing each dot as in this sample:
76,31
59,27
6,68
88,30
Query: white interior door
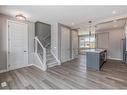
65,44
17,45
74,44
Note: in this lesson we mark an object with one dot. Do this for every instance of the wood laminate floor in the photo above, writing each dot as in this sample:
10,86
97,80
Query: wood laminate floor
70,75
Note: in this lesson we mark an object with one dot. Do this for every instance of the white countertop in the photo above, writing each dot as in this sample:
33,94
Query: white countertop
95,50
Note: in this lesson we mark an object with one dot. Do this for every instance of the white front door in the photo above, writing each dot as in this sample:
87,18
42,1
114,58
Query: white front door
74,44
65,44
17,45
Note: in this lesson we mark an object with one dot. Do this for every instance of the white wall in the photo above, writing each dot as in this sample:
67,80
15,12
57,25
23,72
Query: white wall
115,43
31,35
54,38
74,43
115,47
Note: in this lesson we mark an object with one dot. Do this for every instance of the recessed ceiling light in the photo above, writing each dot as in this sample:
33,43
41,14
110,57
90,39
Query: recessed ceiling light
72,23
114,12
115,26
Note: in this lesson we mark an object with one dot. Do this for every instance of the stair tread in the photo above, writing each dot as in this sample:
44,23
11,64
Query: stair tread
50,59
51,62
52,66
49,54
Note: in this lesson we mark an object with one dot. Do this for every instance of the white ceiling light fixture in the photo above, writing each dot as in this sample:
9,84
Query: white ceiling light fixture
113,12
20,17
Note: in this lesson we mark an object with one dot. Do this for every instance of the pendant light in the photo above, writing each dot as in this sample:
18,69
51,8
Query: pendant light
90,22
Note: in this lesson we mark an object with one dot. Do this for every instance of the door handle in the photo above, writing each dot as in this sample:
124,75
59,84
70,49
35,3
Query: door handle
25,51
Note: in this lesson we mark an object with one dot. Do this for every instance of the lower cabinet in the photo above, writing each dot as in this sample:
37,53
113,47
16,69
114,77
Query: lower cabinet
95,60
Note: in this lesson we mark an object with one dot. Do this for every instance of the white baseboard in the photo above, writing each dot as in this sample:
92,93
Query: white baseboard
59,63
2,71
44,68
114,58
29,65
37,67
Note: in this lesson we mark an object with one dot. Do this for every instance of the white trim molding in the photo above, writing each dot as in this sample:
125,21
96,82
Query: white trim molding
44,68
42,62
2,71
7,29
113,58
59,63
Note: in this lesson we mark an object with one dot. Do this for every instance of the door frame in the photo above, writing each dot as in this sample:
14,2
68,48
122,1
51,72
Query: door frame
59,40
7,29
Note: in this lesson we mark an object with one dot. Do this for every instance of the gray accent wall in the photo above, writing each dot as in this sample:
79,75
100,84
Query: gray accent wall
42,30
3,43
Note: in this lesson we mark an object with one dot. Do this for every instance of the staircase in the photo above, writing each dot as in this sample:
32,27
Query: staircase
45,55
50,59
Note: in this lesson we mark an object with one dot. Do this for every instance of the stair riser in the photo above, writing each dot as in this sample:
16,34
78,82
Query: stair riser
49,66
51,59
50,62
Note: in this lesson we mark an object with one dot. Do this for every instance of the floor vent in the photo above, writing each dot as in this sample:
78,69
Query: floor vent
3,84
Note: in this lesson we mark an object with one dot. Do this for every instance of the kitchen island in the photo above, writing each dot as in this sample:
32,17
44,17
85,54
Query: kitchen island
95,58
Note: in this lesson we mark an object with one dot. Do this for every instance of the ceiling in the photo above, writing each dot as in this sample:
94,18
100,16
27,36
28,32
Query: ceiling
69,15
111,25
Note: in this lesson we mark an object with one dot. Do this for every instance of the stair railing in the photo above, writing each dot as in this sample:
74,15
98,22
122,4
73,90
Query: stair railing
44,37
45,40
40,50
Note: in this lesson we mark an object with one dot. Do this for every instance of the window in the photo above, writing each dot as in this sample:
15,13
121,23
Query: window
82,41
86,42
